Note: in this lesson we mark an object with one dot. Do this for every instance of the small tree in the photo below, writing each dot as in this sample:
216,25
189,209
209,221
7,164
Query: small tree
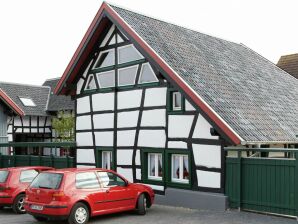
64,126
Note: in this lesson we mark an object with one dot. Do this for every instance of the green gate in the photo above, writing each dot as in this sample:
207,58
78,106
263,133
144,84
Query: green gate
263,184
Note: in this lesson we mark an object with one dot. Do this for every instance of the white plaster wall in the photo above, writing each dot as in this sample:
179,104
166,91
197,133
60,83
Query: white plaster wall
138,174
84,139
152,138
102,121
126,138
85,166
138,158
49,121
26,121
47,130
177,145
85,156
9,130
156,187
180,125
104,138
17,121
208,179
103,101
129,99
188,106
83,105
26,130
33,121
41,130
34,130
41,121
202,129
126,173
83,122
128,119
124,157
152,118
155,97
207,155
9,137
80,85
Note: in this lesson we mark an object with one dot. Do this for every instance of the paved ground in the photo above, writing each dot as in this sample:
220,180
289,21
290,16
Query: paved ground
162,215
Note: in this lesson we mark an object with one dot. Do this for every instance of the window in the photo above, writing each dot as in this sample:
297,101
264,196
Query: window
106,79
90,83
105,59
176,101
27,102
119,39
128,53
113,40
180,168
87,180
155,166
147,74
127,76
109,179
27,176
107,160
3,176
47,181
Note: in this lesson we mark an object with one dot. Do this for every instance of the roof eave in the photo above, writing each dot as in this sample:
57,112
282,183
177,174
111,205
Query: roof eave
11,104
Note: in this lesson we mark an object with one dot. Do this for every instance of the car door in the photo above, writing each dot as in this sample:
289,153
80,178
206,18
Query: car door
118,196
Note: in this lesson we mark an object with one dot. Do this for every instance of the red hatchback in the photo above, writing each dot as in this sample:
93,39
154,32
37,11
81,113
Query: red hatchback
78,193
13,183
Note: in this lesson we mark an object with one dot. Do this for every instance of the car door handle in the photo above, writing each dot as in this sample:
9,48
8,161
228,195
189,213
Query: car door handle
107,190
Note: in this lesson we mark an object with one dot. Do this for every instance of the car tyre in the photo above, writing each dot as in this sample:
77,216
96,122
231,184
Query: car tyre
142,205
79,214
18,204
40,219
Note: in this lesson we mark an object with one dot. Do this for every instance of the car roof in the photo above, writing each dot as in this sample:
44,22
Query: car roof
27,168
77,170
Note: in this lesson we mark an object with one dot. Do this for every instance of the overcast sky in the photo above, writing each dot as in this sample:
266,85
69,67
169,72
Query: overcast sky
39,37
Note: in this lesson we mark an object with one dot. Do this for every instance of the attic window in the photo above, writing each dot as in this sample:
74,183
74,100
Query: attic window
147,74
105,59
128,53
27,102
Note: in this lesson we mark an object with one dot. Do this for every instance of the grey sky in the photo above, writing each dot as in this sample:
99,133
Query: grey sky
38,37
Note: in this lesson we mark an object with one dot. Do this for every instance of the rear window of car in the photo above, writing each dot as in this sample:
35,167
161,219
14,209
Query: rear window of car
28,175
3,176
47,181
86,180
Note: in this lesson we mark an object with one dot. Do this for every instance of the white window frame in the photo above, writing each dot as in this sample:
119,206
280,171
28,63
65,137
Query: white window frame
155,177
98,57
89,77
181,158
136,66
26,104
174,94
109,158
129,45
98,79
156,79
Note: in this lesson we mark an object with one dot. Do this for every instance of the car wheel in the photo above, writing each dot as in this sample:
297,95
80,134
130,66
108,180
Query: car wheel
18,204
40,219
1,207
142,205
79,214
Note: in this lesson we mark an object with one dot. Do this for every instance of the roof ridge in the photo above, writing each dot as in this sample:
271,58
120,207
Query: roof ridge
169,22
52,79
19,84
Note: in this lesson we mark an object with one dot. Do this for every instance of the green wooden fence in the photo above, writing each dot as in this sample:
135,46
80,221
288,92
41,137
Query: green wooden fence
37,160
263,184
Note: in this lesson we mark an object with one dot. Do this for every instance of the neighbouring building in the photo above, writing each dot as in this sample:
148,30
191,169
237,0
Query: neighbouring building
289,63
26,112
159,102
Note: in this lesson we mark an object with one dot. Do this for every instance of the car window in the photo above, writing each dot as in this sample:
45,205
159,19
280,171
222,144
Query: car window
87,180
47,181
3,176
27,176
109,179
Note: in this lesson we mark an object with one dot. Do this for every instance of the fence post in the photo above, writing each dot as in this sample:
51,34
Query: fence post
296,183
239,179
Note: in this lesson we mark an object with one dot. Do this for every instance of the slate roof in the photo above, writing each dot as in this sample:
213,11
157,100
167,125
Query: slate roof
289,63
56,102
39,95
257,99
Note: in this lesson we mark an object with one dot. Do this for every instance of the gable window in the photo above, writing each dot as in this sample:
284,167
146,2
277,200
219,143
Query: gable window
128,53
90,83
105,59
180,168
147,74
176,101
107,159
106,79
127,76
28,102
155,171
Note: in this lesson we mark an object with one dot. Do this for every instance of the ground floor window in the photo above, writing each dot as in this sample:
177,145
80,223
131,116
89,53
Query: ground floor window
107,159
180,168
155,171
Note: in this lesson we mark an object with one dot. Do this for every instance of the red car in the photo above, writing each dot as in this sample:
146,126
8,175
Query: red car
79,193
13,183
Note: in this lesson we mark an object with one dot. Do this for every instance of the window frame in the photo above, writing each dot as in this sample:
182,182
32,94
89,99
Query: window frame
110,158
32,103
181,160
98,79
174,96
99,157
155,177
88,79
170,102
141,70
126,46
135,75
98,58
101,182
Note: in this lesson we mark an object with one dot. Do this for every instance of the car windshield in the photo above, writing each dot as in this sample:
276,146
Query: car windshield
3,176
47,181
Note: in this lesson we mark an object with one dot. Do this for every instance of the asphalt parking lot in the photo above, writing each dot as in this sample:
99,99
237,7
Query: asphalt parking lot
163,214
